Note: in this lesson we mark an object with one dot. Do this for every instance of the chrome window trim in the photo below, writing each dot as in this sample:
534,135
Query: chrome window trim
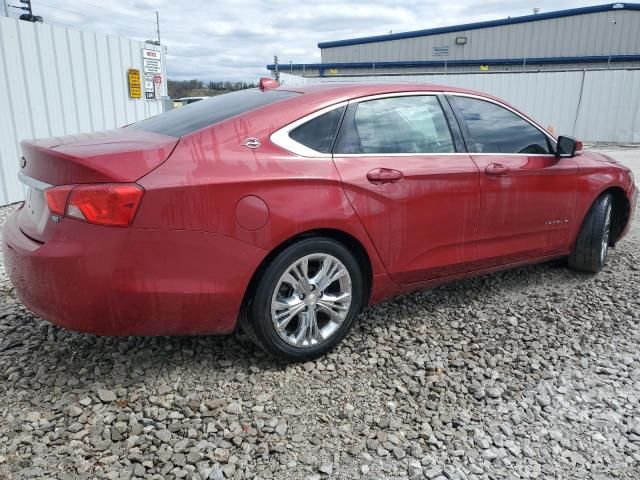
281,136
506,107
378,96
32,182
352,155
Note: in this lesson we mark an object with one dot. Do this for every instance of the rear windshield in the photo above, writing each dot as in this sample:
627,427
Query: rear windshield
197,115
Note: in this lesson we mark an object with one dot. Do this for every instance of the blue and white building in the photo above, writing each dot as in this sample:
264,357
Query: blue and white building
596,37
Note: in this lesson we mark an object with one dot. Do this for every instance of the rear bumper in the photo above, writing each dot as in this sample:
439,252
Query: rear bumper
125,281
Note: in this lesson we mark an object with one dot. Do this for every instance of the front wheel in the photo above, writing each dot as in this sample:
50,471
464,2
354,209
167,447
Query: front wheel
592,245
306,300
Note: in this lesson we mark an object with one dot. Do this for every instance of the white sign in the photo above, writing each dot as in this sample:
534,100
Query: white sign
441,51
149,89
151,61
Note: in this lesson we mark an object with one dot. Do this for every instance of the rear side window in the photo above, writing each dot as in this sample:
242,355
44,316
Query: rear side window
411,124
318,133
494,129
197,115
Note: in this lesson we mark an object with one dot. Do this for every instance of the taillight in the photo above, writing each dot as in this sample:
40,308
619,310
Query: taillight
112,204
57,198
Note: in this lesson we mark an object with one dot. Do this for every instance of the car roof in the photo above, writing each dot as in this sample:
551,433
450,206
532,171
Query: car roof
361,89
317,95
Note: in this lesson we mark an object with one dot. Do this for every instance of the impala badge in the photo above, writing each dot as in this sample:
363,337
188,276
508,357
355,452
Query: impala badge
251,143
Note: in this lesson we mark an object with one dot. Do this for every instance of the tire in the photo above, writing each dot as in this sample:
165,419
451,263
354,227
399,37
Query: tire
592,245
282,297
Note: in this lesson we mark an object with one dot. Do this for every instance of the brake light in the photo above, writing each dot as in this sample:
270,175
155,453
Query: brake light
57,198
113,204
268,83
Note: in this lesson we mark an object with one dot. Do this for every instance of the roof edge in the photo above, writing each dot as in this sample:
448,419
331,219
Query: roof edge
453,63
478,25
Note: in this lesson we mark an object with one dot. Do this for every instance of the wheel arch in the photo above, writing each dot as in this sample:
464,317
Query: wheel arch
354,245
621,211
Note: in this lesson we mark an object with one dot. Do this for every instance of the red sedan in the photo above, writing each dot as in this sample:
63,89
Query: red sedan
287,210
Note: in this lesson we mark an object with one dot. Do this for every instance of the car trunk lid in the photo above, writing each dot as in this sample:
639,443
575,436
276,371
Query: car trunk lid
122,155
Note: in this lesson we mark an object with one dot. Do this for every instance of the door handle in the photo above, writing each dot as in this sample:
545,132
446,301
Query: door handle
497,170
379,176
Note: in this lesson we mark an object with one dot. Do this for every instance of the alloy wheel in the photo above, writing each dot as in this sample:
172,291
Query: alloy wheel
604,248
311,300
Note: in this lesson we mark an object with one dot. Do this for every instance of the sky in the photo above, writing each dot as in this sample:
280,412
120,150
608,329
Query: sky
236,39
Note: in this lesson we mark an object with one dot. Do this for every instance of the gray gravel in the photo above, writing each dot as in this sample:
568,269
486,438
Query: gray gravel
532,373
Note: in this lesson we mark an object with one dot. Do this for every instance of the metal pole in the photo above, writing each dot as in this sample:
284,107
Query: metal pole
158,25
611,38
6,8
575,120
276,72
164,70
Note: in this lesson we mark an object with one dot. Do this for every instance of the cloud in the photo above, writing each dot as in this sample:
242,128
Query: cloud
235,39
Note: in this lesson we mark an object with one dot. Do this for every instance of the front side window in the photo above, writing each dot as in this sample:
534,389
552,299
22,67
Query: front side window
494,129
413,124
318,133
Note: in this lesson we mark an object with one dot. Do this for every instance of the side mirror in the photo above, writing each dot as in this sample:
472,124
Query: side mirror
568,147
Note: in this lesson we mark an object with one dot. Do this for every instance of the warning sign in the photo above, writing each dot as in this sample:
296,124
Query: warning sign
135,90
149,88
151,61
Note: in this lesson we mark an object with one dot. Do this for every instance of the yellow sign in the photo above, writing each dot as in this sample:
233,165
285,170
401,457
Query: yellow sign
333,71
484,68
135,87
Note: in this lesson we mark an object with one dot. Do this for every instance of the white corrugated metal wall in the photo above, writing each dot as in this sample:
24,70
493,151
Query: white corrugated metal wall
595,106
59,81
567,36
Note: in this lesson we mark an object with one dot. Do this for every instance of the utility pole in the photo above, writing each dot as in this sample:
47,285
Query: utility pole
6,8
158,26
276,72
29,16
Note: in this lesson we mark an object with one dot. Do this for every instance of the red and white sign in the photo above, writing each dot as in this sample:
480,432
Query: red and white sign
157,84
146,53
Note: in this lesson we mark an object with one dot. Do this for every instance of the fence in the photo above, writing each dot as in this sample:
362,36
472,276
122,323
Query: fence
59,81
593,105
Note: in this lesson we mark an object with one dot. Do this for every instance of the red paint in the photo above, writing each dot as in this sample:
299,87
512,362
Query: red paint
518,206
122,155
423,226
212,210
252,213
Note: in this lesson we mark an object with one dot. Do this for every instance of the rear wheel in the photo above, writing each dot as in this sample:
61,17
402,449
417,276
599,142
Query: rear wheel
592,245
306,300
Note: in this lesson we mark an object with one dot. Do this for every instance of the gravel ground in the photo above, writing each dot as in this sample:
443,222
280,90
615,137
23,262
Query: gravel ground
531,373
